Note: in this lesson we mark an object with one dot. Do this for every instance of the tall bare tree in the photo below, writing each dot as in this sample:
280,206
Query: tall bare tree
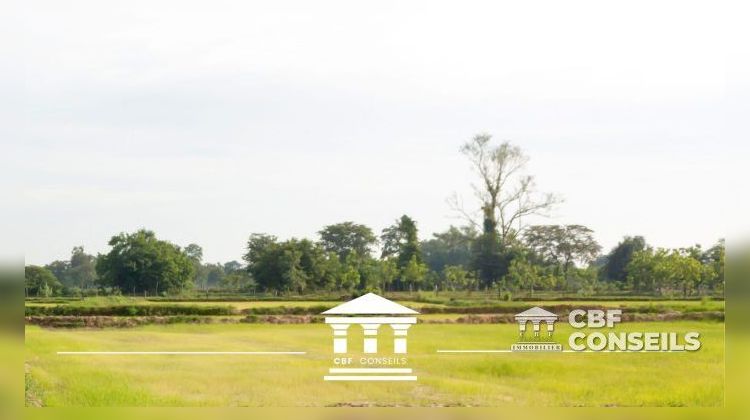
506,195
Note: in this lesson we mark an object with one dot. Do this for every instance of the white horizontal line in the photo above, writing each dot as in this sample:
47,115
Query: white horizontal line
370,320
475,351
370,378
369,370
186,353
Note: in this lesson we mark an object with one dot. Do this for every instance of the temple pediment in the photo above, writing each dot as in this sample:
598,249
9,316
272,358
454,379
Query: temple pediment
370,304
535,312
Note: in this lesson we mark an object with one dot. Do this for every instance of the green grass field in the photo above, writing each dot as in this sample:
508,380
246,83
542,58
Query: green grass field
501,379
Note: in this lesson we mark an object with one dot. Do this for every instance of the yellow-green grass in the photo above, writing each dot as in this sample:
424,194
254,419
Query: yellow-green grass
539,379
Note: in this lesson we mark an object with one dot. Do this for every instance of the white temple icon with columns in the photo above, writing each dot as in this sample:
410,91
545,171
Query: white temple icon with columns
373,314
539,342
536,316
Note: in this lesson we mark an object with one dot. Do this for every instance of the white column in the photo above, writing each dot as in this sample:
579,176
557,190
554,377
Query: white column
521,327
399,337
339,337
371,339
550,327
536,327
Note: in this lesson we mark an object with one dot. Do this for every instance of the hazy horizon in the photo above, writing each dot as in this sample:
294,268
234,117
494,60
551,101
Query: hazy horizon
209,124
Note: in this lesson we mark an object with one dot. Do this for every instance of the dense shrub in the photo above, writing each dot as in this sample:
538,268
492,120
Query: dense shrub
286,310
129,310
112,321
281,319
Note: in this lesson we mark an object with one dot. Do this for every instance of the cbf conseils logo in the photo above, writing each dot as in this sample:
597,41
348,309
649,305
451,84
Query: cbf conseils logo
537,342
380,361
587,336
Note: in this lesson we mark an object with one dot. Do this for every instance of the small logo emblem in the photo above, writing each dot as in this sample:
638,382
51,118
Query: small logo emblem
538,341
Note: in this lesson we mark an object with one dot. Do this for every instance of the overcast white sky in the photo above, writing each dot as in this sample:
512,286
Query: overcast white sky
207,121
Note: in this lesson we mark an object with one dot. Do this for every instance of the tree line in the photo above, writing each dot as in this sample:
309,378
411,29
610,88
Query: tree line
493,250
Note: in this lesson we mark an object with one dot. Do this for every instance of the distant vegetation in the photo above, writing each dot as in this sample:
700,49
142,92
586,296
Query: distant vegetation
493,252
447,308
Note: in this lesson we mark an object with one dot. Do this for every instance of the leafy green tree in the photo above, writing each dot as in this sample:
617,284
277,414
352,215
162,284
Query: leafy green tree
413,273
232,266
616,262
641,270
39,281
401,240
523,275
431,281
713,261
82,270
489,259
194,252
452,247
663,271
200,273
563,245
292,274
60,269
262,261
140,262
584,280
371,279
410,246
400,243
456,277
313,261
387,273
238,280
390,241
79,272
344,238
350,277
330,271
682,271
297,265
213,273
